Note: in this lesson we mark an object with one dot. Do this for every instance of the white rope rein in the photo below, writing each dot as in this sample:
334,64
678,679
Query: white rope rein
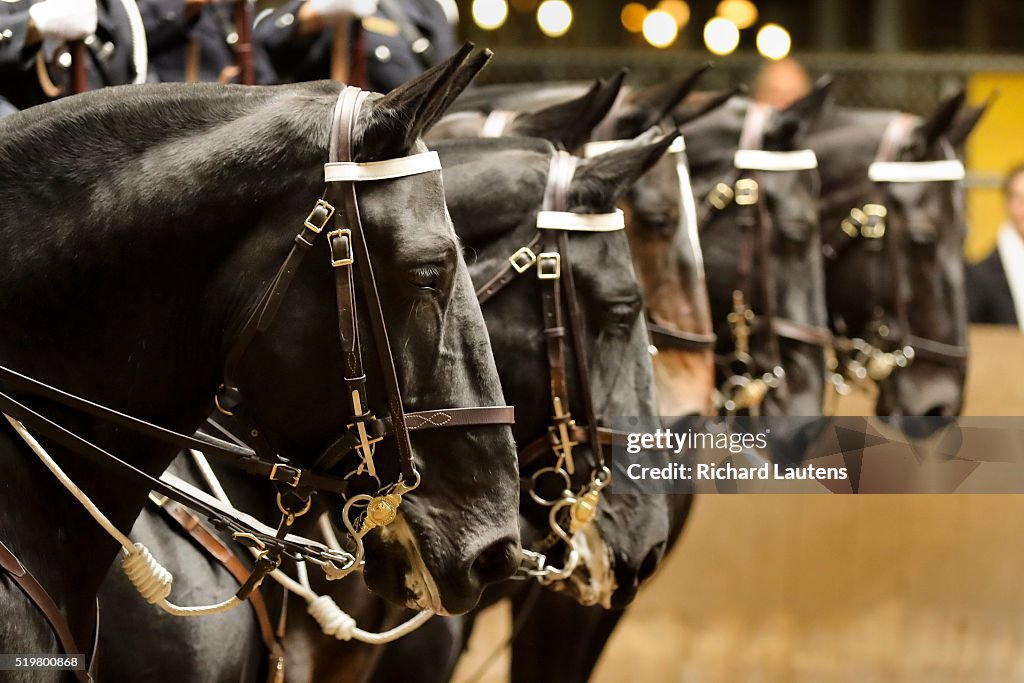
150,578
333,620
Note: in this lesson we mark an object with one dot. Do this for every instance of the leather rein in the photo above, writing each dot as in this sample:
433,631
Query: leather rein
746,385
880,350
349,258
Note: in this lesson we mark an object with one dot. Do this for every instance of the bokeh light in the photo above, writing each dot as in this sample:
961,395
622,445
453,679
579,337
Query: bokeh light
490,14
554,18
660,29
632,17
773,41
721,36
679,10
743,13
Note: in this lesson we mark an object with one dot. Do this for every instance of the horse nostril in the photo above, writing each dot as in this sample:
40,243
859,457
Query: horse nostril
650,562
497,561
940,411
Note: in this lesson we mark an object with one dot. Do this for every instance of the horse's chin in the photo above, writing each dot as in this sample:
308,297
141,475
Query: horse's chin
410,584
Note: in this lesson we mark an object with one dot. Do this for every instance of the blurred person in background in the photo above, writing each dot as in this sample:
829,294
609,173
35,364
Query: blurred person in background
995,286
35,53
780,84
196,40
375,44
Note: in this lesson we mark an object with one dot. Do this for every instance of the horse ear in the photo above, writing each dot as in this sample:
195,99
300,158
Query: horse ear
646,107
601,181
790,125
571,123
399,118
967,120
941,120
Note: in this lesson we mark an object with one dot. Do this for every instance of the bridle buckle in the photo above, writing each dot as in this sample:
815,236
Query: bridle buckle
854,223
721,196
522,260
321,205
291,475
341,255
549,265
746,191
874,227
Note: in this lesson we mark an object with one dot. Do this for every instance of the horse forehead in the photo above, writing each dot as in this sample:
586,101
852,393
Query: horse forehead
604,265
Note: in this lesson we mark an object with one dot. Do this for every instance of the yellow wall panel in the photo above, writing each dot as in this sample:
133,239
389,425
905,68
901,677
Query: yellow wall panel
995,145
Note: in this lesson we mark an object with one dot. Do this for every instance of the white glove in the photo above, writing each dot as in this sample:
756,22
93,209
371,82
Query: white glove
64,19
335,9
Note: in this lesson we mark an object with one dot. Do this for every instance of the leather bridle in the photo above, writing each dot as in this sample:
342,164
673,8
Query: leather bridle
746,385
887,343
549,252
665,336
349,257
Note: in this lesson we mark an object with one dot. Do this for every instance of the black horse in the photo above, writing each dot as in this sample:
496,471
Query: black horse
784,275
220,178
895,278
480,172
668,262
666,252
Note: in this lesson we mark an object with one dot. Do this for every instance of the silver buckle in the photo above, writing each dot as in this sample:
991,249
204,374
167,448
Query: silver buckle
309,219
522,259
346,260
549,265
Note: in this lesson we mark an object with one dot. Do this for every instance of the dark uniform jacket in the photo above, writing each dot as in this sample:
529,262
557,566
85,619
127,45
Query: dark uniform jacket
20,84
390,58
988,292
211,32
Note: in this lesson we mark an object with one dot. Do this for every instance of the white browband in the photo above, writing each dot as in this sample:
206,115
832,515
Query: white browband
916,171
352,171
761,160
582,222
593,149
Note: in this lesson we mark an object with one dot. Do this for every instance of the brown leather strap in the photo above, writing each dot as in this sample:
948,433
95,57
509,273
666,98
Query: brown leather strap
219,551
666,337
517,264
243,47
35,592
580,434
806,333
349,104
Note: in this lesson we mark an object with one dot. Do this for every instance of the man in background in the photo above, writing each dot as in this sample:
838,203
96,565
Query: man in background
995,286
196,40
35,54
375,44
781,83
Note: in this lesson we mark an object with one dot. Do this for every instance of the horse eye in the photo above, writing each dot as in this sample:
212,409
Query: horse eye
622,315
428,277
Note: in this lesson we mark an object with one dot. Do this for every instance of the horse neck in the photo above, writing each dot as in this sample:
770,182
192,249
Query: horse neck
129,300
